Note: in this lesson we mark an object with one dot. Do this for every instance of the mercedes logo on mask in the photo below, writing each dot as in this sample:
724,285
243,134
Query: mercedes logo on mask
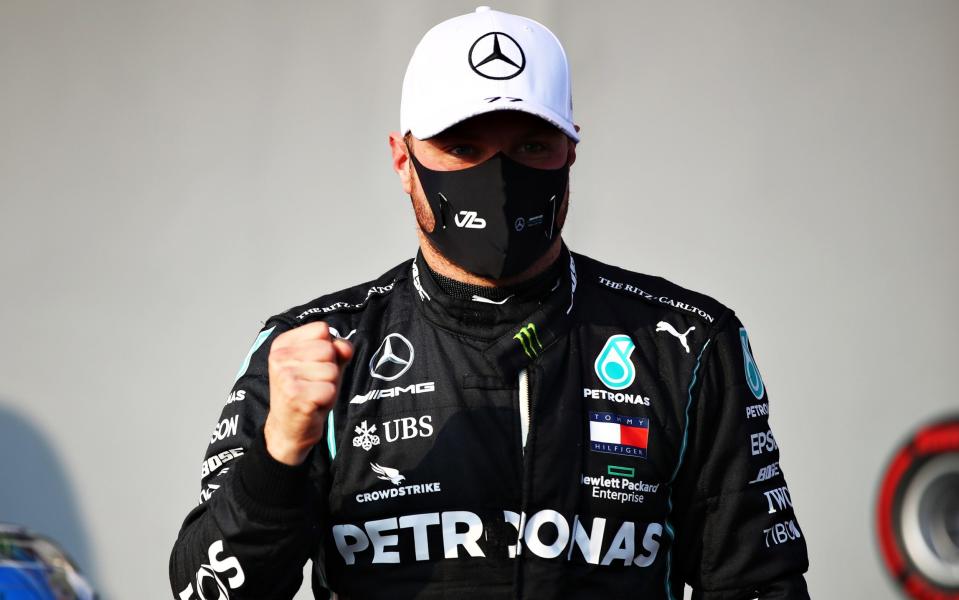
393,358
496,55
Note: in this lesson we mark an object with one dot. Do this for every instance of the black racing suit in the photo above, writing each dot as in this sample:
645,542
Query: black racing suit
608,439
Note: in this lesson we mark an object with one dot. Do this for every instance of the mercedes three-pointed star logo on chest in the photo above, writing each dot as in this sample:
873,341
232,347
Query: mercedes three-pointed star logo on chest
393,358
496,55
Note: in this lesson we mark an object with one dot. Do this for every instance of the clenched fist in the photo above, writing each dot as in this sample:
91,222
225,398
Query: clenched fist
305,366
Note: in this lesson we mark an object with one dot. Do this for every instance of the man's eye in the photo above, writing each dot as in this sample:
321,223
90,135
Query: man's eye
461,150
533,148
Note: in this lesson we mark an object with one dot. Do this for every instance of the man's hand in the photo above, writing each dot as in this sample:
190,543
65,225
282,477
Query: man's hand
305,366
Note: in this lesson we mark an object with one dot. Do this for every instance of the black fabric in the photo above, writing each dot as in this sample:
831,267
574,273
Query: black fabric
270,483
535,288
649,461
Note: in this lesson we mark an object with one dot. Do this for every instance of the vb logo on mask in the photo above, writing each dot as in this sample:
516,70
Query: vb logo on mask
469,220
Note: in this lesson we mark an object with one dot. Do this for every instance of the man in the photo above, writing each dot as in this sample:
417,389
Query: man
497,417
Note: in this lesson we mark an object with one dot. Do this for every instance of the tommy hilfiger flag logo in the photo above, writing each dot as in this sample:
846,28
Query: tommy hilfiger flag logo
616,434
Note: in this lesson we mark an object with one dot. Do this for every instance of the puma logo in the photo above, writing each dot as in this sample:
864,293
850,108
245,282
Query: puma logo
664,326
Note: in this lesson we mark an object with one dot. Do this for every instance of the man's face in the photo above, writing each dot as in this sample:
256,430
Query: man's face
522,137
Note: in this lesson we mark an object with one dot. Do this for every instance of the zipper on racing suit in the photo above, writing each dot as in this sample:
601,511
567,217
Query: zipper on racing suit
525,417
524,408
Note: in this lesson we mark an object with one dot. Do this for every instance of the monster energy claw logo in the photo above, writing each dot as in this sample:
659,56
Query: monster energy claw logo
613,366
529,340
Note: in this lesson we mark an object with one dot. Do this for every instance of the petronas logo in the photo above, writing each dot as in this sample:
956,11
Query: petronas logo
529,340
753,378
613,366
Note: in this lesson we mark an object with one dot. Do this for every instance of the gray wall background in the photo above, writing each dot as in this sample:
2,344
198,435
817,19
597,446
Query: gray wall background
172,173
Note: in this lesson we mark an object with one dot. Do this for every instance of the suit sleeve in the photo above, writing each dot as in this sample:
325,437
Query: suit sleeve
737,536
257,520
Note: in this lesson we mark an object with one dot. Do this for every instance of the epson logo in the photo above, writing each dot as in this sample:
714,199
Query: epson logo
762,442
209,586
225,428
416,388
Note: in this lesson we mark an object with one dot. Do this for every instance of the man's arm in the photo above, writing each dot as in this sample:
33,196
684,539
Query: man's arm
257,522
737,536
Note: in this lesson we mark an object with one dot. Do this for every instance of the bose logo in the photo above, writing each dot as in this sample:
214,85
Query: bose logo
469,220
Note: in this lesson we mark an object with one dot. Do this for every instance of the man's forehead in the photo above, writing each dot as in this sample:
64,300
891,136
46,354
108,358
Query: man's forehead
514,121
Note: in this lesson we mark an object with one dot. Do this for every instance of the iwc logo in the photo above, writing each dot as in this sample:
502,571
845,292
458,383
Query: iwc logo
613,366
393,358
497,56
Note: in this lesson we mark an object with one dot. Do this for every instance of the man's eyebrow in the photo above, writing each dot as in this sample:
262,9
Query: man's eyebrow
542,128
454,134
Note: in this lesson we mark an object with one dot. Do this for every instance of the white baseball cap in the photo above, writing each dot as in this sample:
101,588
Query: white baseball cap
484,61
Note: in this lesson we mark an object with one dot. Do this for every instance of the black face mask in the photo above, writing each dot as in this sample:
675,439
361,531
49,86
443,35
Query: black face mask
494,219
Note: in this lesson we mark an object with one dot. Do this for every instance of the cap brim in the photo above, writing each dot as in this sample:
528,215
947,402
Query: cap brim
443,122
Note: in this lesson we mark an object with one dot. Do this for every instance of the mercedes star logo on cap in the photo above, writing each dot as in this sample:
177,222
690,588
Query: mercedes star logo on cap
496,55
393,358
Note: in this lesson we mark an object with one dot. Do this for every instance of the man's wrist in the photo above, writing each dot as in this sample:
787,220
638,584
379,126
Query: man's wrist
269,483
281,450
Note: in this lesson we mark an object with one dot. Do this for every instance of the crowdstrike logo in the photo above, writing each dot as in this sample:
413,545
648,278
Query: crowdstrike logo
399,490
664,326
388,473
393,358
496,55
469,219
